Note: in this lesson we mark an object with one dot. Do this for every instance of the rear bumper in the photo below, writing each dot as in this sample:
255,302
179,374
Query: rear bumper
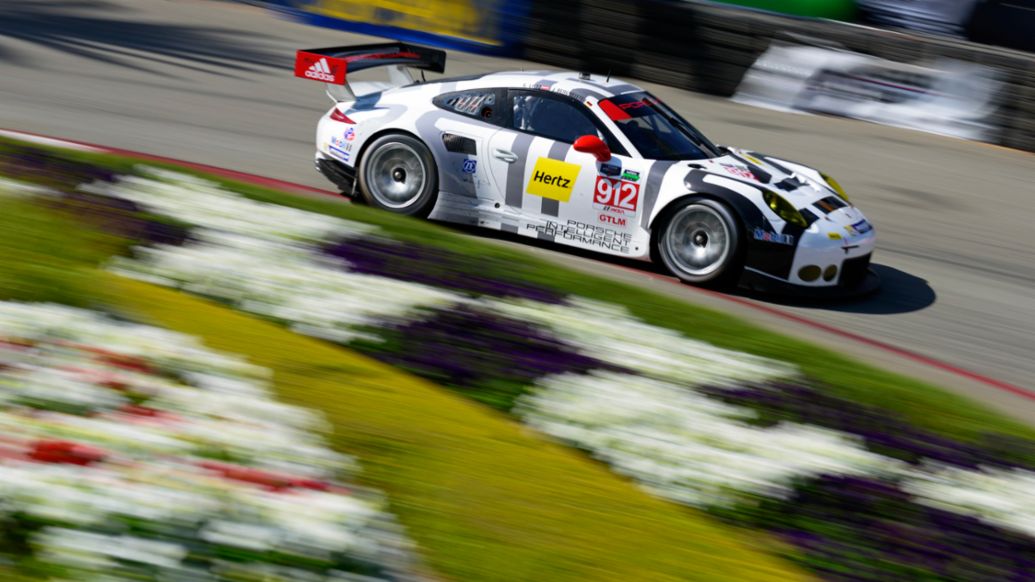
342,176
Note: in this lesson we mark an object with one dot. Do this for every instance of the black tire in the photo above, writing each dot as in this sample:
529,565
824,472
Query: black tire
699,241
398,174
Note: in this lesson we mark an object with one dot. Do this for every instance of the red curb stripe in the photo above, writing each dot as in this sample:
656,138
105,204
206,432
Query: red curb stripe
293,186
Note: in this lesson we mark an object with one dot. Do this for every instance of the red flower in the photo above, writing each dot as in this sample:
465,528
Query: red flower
267,479
55,451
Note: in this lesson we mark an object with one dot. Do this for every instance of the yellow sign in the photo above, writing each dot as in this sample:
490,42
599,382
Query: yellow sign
466,19
553,179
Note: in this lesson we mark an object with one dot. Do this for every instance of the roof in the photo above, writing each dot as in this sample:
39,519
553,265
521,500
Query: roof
566,82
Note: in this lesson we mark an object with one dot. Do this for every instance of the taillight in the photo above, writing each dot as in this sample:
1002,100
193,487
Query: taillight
337,115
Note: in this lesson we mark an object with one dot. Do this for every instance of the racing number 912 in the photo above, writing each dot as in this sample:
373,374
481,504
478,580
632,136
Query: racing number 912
617,193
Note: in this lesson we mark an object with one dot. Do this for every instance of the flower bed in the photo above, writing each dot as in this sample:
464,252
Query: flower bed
133,452
746,438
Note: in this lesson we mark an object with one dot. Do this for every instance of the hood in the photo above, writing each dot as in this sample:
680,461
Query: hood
801,186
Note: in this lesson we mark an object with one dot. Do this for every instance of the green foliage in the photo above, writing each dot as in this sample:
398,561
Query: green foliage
44,256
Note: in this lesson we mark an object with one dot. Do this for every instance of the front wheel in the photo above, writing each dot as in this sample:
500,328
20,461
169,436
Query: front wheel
398,174
699,242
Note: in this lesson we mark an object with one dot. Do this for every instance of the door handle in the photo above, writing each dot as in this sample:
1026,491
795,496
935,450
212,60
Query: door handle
509,157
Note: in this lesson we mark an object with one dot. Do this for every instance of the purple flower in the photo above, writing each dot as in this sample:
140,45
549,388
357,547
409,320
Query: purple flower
489,357
883,431
437,267
53,170
853,528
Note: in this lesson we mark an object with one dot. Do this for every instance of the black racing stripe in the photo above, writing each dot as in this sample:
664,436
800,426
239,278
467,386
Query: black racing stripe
649,194
772,162
516,171
762,175
789,184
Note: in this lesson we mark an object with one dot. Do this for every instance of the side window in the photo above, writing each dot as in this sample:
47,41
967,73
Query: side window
551,117
483,104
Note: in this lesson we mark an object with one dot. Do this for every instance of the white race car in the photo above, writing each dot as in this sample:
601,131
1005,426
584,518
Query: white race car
584,161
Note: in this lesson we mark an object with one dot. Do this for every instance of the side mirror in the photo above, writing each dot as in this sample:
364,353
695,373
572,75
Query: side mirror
592,144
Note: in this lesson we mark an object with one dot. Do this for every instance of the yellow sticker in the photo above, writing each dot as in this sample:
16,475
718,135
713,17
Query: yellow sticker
553,179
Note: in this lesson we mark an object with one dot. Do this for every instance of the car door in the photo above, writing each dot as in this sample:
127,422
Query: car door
552,192
459,139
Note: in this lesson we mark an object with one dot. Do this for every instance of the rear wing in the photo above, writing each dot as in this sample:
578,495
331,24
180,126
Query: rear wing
331,65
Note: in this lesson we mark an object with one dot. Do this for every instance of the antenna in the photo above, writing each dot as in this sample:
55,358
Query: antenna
608,76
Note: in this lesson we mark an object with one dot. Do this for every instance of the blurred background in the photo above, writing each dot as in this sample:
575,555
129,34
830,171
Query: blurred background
946,66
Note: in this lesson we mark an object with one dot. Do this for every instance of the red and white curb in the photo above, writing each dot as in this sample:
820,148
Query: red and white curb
294,187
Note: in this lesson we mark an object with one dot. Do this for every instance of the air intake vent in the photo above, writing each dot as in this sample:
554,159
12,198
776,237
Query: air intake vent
458,144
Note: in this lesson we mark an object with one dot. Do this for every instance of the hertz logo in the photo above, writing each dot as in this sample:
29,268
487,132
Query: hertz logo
553,179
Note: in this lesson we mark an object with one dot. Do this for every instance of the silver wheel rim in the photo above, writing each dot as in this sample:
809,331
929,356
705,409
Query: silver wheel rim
396,175
697,240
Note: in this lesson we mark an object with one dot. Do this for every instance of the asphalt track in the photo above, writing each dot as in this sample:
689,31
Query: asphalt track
210,82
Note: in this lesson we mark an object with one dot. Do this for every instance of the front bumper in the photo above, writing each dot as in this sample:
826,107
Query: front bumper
857,279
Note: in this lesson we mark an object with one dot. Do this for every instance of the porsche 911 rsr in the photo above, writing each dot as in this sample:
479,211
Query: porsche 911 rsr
585,161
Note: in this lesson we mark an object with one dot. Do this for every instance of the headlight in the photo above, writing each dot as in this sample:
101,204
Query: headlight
836,187
784,209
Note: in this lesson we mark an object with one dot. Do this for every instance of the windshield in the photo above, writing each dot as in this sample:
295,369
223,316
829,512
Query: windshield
656,131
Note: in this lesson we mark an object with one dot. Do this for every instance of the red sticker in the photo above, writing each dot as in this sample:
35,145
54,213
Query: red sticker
617,193
320,68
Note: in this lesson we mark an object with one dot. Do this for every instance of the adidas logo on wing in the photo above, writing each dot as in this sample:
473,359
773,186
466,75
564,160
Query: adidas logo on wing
320,71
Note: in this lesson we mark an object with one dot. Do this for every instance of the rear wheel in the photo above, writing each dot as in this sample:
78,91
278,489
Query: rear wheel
699,242
398,174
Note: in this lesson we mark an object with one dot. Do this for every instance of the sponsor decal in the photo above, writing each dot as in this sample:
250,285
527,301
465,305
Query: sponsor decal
861,227
617,110
739,171
339,153
584,233
350,134
553,179
631,176
773,237
470,166
319,68
616,194
610,169
341,144
611,219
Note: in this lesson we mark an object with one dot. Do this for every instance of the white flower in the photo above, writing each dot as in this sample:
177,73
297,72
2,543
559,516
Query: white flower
608,332
685,446
205,204
999,496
